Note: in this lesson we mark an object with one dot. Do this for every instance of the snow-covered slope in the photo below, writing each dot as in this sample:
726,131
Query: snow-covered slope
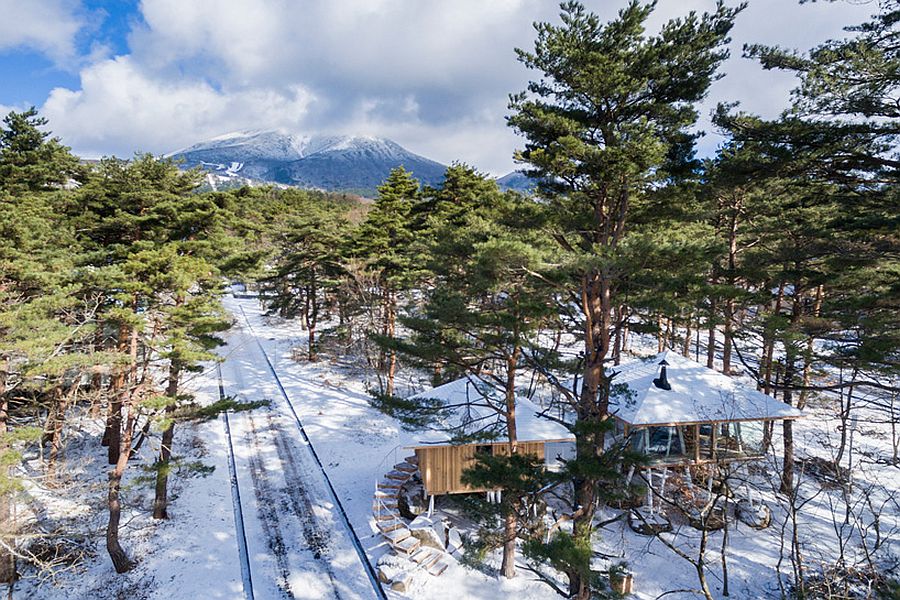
329,162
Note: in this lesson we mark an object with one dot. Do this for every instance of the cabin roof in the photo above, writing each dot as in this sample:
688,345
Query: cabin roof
698,395
469,415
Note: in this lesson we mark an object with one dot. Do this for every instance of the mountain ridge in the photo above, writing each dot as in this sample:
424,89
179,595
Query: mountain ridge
346,163
331,162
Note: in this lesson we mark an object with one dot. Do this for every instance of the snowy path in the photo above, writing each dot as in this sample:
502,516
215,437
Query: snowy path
356,443
297,545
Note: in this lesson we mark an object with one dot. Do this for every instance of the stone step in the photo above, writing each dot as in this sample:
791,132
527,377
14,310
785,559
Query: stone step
396,475
406,467
438,568
388,526
407,545
396,536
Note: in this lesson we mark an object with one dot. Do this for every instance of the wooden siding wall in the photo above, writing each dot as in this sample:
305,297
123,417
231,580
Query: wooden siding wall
441,467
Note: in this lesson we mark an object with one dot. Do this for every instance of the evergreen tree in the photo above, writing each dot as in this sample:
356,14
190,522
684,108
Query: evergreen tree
608,119
831,159
42,323
383,241
307,265
30,160
483,308
153,252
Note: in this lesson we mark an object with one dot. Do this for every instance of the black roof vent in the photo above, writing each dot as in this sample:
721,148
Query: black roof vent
662,382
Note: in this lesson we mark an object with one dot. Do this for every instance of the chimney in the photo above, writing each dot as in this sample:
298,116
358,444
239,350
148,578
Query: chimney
662,382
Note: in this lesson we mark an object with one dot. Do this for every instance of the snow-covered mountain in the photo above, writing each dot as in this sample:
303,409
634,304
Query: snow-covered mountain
329,162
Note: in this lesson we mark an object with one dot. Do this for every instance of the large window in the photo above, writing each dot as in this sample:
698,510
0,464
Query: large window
659,441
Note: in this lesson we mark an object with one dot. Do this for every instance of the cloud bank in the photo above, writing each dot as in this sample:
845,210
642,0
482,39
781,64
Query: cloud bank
432,75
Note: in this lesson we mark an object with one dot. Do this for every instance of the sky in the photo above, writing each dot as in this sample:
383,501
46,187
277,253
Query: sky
118,76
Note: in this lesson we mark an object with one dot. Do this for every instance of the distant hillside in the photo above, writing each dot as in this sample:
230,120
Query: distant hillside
329,162
517,181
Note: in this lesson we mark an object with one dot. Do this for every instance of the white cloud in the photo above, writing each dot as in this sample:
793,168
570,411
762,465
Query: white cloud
121,109
432,75
48,26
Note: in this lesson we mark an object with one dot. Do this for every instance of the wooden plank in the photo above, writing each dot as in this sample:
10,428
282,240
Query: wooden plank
441,467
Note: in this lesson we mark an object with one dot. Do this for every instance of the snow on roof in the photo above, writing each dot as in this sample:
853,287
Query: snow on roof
469,414
699,394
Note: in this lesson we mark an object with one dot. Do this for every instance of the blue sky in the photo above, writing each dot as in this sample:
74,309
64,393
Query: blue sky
115,77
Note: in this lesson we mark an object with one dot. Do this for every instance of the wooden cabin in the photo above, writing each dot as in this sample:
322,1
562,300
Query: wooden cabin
470,415
677,411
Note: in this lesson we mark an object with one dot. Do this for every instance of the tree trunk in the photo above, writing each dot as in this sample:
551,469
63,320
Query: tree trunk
724,556
392,354
732,282
62,402
511,526
592,408
686,346
117,554
7,527
311,318
808,353
113,434
617,344
787,474
769,344
728,337
711,336
660,333
161,499
701,562
895,439
99,345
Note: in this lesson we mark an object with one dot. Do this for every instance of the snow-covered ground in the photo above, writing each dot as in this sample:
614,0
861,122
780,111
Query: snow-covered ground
298,545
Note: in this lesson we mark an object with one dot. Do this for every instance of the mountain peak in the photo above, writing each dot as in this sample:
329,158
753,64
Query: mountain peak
357,163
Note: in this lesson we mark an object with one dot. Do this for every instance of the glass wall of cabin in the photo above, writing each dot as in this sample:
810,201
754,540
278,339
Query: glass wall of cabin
698,442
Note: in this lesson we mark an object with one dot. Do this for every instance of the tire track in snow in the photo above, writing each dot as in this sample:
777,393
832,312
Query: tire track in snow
300,505
279,503
240,527
267,508
353,538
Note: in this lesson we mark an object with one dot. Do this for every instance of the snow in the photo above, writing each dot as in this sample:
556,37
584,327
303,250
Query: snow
470,413
698,395
194,554
191,555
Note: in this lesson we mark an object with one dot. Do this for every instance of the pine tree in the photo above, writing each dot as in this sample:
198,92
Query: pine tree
30,160
41,321
307,265
608,118
482,309
383,241
149,244
830,159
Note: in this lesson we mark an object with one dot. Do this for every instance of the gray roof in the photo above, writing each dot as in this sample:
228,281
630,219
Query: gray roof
699,394
469,413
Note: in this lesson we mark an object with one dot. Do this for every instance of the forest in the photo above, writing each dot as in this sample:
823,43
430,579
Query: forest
778,259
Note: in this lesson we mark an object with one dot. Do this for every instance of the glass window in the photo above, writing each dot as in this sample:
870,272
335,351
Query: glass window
664,441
